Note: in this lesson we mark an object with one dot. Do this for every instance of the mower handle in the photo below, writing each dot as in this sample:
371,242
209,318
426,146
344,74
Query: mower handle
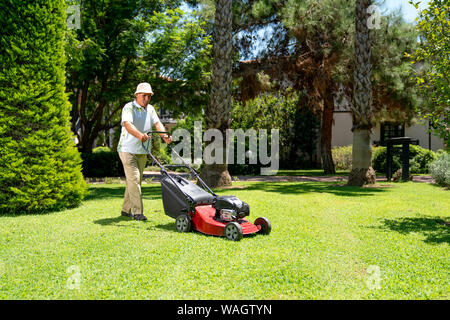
184,163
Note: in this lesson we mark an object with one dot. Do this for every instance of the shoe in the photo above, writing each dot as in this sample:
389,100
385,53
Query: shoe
125,214
139,217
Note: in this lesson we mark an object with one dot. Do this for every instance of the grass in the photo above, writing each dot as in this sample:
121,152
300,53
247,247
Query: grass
310,172
328,242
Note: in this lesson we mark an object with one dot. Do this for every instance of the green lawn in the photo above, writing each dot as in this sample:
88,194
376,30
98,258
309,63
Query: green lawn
310,172
328,242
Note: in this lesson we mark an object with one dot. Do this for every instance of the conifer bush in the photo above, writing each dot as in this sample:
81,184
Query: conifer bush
40,167
440,169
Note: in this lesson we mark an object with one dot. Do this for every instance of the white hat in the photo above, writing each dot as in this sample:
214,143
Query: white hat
144,88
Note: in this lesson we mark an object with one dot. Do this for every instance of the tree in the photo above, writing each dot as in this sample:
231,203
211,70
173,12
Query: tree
41,168
433,59
308,45
362,171
219,109
122,43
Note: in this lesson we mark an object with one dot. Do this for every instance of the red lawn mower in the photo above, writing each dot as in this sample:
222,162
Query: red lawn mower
200,209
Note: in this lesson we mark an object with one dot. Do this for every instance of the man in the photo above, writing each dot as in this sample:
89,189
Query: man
138,118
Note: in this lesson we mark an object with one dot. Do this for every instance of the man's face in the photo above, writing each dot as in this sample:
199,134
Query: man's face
143,99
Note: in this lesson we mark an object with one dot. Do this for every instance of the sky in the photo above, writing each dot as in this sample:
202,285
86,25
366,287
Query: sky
408,10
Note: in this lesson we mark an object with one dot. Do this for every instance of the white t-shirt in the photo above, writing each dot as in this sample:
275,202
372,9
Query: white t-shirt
143,119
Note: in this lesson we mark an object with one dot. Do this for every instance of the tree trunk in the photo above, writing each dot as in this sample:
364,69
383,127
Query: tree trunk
362,172
218,112
326,136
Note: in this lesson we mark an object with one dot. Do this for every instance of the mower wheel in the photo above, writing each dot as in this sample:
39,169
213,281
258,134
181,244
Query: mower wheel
183,223
233,231
266,227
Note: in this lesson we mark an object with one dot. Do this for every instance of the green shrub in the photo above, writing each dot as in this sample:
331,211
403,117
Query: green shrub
420,159
379,161
440,169
40,166
244,169
102,164
164,155
101,149
342,157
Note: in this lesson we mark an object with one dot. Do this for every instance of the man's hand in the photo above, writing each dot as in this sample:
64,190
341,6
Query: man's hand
135,132
160,127
167,139
144,137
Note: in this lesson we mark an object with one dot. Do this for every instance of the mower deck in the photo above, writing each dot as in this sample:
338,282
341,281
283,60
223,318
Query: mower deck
204,222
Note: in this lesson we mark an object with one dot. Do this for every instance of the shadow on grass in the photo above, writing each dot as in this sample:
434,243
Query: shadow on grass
117,222
152,192
311,173
435,229
170,226
149,192
315,187
112,221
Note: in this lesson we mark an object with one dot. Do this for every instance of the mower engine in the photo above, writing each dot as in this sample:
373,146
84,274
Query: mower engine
231,208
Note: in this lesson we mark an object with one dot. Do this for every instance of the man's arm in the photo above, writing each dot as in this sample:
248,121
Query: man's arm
135,132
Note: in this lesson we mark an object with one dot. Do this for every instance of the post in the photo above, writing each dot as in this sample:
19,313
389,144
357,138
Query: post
388,160
405,160
404,141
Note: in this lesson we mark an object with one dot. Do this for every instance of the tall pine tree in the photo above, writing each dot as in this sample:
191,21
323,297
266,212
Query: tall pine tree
40,167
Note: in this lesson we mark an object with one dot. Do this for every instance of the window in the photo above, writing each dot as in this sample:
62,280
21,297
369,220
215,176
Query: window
391,130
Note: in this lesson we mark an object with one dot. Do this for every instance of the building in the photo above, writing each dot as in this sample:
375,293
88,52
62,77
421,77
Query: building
418,131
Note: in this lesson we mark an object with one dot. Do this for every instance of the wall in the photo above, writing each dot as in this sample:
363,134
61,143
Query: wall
343,136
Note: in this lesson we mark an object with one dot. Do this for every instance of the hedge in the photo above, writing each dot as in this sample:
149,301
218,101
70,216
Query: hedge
40,166
102,164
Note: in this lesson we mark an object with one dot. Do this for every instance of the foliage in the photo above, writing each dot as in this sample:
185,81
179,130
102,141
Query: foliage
326,29
178,54
122,43
188,124
161,152
41,168
302,139
309,45
440,169
101,149
395,94
420,159
342,157
102,164
433,64
297,126
379,161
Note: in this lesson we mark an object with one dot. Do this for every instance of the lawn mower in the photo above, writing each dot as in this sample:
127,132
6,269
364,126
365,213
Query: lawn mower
199,208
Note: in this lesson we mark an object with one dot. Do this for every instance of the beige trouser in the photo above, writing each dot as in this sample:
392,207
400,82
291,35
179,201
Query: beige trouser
133,165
